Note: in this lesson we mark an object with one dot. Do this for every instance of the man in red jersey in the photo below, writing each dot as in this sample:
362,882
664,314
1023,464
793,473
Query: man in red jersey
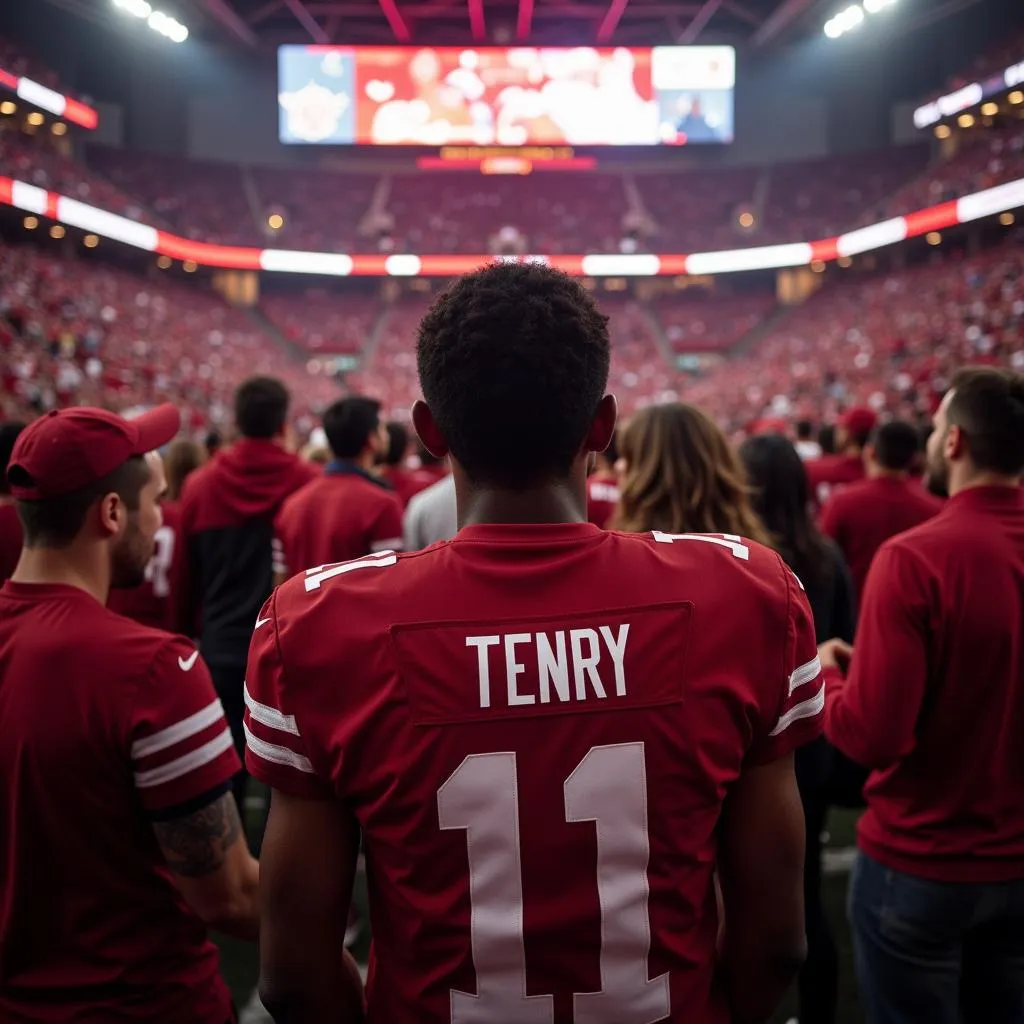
119,838
348,511
227,524
934,704
391,463
603,487
833,472
860,518
550,736
10,525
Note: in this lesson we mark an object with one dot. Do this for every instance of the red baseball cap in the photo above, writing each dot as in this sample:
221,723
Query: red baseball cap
69,449
859,419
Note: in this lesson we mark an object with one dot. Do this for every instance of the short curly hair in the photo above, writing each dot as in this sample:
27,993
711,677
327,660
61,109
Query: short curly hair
513,362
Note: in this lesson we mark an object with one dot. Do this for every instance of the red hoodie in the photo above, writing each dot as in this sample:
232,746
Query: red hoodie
227,523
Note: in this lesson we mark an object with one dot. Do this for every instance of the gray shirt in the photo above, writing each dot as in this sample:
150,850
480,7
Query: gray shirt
430,515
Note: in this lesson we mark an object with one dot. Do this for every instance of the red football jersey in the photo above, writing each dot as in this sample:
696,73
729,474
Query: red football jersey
536,727
830,474
602,498
156,601
10,540
102,722
338,516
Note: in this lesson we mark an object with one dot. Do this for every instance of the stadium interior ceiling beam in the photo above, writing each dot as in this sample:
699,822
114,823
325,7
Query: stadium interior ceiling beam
611,20
700,21
427,11
738,10
229,19
264,12
307,21
524,19
784,15
396,21
477,26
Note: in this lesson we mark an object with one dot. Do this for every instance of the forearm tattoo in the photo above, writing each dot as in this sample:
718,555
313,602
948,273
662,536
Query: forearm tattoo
196,844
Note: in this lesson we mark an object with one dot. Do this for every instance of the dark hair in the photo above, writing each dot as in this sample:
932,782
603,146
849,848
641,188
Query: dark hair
896,445
56,522
827,439
261,407
181,458
804,430
8,435
349,422
988,407
398,441
779,480
513,362
212,441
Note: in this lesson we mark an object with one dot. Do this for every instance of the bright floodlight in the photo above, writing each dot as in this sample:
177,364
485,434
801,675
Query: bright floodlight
874,6
833,29
140,8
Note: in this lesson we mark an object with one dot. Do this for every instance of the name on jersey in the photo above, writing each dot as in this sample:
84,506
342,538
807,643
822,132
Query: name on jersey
481,670
568,664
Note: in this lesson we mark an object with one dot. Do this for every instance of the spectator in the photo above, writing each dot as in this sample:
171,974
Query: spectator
392,463
212,443
431,515
10,525
934,704
863,516
348,512
603,487
806,447
121,840
830,472
679,475
227,516
780,499
183,457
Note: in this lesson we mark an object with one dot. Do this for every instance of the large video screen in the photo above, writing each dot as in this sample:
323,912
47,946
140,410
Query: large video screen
578,96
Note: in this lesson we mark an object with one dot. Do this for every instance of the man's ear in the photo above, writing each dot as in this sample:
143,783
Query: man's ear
113,514
428,431
602,429
954,446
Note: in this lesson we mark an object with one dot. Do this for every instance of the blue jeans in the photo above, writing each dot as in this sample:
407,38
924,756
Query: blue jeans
936,952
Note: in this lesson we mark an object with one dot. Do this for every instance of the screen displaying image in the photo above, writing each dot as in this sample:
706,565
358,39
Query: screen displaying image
438,96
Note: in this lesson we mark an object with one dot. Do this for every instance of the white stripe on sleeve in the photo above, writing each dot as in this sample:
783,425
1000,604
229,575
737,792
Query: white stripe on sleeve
268,716
186,763
805,674
179,731
805,709
275,754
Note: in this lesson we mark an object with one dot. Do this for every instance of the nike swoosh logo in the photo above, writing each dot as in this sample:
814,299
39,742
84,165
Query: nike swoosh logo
185,664
261,622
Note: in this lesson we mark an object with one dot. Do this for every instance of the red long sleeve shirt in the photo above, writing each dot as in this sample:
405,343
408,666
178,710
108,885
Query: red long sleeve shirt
934,700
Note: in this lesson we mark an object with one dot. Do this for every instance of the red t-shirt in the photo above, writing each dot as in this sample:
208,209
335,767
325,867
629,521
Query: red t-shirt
831,473
10,540
103,722
480,704
602,498
338,516
156,602
935,698
861,517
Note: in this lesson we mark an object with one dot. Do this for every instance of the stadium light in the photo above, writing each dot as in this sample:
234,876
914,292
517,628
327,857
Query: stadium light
158,21
845,21
874,6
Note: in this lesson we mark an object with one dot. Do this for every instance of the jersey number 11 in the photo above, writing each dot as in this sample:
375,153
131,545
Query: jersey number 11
608,787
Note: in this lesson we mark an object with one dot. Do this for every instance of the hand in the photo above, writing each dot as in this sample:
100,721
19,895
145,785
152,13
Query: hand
835,653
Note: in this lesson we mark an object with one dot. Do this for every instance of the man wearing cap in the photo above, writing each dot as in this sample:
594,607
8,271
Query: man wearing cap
830,472
120,841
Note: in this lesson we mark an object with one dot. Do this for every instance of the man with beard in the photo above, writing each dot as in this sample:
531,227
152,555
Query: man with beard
120,841
934,704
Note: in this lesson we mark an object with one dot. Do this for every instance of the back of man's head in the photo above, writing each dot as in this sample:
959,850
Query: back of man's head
895,446
261,407
8,435
350,424
987,405
513,362
398,442
804,430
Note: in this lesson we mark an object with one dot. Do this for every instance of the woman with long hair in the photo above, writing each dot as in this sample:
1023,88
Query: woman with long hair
780,496
678,474
180,459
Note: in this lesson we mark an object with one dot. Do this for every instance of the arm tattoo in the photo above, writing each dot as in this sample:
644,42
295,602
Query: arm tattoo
195,845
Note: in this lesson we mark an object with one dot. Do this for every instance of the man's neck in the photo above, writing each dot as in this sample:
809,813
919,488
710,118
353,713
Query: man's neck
957,485
558,503
49,565
876,472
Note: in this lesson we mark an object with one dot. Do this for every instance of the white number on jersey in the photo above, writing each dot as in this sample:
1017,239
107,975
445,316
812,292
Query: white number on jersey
724,540
158,568
322,573
608,787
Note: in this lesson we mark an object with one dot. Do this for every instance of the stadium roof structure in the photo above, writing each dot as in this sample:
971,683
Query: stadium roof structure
265,23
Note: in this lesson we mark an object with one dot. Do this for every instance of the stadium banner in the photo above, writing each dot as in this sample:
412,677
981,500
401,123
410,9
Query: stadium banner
969,96
38,201
50,100
518,96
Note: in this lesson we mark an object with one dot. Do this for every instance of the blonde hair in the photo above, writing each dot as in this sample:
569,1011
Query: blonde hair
180,459
683,477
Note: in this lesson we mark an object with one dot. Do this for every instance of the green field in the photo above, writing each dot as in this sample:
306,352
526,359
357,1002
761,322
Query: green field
239,959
